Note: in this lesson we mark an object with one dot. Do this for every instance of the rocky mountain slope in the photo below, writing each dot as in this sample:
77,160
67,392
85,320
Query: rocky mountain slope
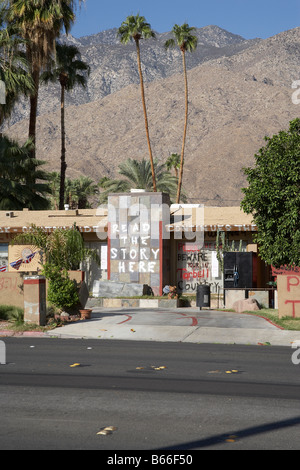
113,65
235,100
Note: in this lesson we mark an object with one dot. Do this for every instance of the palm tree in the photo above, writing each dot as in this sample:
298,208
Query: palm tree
69,71
15,166
136,28
54,183
40,23
173,161
77,191
186,42
81,189
138,174
13,66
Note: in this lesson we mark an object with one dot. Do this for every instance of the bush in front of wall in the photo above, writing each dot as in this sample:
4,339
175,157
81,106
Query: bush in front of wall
11,313
62,291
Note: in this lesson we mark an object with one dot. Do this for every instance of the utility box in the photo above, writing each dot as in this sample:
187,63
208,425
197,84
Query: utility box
240,270
203,296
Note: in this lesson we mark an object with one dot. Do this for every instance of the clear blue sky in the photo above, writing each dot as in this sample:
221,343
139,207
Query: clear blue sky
249,18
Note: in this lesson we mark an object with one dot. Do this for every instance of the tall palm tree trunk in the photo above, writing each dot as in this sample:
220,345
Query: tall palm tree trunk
63,165
185,128
145,113
33,110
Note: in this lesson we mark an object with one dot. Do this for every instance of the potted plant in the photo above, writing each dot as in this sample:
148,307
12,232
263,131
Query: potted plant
85,313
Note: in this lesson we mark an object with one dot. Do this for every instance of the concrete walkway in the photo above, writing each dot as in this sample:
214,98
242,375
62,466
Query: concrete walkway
190,325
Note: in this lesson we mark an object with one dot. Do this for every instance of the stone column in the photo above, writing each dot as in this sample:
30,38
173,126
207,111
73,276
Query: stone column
138,253
35,300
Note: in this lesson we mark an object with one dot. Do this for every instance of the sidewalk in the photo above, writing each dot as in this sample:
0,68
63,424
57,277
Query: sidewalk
189,325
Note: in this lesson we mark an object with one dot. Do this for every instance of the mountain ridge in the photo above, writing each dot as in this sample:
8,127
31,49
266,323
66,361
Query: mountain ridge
234,102
113,65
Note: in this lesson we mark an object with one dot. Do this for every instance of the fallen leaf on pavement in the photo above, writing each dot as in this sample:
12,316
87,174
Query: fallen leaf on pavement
230,439
107,430
111,428
104,432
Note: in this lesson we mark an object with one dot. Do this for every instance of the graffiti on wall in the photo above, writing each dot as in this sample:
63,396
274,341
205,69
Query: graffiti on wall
136,254
133,251
9,284
11,289
197,265
288,286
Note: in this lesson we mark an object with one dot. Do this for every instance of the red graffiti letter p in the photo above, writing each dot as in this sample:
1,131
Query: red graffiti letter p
291,284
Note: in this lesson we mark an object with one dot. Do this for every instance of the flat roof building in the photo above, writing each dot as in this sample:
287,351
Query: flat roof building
141,238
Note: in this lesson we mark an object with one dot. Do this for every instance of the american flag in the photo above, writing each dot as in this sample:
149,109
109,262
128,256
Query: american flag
16,264
29,258
3,269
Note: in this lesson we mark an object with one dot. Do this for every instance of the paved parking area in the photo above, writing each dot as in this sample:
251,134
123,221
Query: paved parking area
178,317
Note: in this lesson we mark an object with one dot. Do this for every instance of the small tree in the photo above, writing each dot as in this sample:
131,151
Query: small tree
138,174
62,291
273,197
61,250
173,161
78,191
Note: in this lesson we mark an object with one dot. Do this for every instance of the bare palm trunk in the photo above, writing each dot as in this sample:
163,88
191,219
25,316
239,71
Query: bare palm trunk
63,165
184,131
145,113
33,110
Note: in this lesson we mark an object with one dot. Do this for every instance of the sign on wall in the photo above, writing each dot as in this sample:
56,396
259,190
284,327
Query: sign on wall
197,265
24,258
288,287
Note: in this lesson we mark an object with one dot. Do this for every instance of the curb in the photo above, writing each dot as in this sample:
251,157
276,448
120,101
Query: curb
26,334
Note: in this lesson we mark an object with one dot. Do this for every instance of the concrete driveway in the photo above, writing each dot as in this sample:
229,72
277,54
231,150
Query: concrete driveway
178,325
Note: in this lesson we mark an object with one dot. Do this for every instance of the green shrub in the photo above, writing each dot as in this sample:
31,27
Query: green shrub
11,313
62,291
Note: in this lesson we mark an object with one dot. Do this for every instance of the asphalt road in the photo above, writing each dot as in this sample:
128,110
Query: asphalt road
59,393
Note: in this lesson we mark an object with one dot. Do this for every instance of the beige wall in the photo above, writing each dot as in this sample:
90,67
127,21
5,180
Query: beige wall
11,289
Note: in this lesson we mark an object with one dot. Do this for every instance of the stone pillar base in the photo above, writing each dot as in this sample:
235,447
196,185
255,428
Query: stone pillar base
35,300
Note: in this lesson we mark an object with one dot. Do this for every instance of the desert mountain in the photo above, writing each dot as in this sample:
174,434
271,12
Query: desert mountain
113,65
235,100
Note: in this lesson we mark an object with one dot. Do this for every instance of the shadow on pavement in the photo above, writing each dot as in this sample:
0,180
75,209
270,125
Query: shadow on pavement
238,435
